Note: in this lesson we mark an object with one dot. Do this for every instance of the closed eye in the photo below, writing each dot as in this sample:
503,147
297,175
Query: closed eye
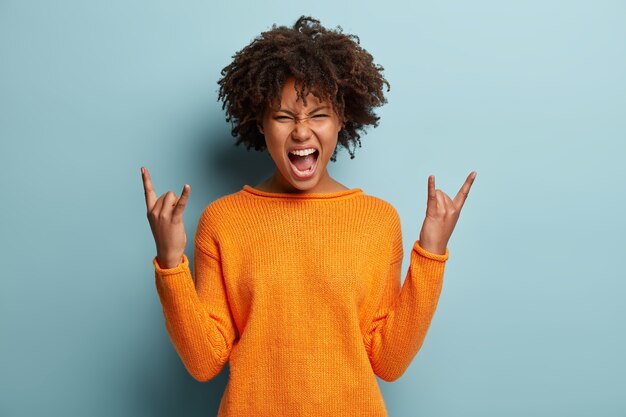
287,118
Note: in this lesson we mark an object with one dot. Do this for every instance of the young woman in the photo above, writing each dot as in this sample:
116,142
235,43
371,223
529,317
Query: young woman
296,280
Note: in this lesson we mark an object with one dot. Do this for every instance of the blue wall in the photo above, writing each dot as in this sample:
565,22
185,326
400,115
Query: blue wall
531,95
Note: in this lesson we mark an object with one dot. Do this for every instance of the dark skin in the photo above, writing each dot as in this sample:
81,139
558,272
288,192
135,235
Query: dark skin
442,213
165,215
293,123
268,186
240,94
328,61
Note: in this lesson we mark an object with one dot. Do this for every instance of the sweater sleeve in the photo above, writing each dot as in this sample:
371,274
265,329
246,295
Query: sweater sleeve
398,329
197,317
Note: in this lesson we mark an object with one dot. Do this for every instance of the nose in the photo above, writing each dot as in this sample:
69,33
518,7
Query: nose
301,130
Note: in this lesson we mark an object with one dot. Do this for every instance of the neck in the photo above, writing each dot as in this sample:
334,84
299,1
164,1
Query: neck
277,184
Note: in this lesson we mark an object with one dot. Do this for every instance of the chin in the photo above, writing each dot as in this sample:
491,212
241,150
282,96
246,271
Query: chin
294,182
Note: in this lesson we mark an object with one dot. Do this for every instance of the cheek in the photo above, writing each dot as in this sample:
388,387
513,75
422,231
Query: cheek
272,138
336,127
330,134
275,145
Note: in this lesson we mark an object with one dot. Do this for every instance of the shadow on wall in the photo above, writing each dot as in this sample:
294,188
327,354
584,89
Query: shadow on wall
225,168
229,167
181,394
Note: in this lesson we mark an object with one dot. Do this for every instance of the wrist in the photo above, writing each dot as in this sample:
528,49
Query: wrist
168,263
438,249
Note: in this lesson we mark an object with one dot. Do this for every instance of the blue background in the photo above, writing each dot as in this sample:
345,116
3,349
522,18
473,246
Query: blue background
531,95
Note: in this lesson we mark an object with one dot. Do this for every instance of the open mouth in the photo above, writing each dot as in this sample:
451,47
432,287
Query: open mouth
304,166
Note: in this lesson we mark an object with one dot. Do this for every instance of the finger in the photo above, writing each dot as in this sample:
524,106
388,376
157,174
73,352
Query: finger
447,201
162,204
461,196
441,200
432,194
181,204
169,203
148,189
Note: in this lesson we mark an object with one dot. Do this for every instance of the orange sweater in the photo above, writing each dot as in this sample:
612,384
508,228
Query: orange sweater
301,294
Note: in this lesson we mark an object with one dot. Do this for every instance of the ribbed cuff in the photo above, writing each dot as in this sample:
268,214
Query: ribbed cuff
430,255
171,271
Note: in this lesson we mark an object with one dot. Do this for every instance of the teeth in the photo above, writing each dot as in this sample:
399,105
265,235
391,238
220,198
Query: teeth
303,152
308,171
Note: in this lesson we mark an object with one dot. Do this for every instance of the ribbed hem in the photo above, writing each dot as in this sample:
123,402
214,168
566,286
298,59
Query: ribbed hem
430,255
282,196
171,271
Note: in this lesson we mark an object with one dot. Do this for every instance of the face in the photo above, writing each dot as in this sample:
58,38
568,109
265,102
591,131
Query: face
300,128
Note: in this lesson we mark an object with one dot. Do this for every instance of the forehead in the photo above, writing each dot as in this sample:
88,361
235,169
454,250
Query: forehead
290,98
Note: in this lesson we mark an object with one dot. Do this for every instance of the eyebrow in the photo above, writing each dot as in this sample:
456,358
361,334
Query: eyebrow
311,112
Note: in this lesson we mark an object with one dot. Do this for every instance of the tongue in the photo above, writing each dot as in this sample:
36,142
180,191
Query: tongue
303,163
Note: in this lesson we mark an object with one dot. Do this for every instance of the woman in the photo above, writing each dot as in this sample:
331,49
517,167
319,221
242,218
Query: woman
297,279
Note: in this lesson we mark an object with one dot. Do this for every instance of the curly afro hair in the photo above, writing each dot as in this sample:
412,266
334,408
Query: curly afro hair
327,63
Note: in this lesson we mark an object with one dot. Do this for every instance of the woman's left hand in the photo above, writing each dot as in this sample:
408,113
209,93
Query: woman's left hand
442,214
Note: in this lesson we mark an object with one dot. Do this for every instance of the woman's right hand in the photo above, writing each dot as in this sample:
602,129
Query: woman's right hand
165,215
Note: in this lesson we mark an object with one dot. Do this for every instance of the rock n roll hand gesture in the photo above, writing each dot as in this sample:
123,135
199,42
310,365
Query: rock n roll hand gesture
165,215
442,214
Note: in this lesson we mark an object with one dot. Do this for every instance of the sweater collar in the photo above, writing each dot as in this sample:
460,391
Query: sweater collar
298,196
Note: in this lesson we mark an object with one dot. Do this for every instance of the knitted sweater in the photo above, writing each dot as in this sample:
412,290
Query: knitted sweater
301,295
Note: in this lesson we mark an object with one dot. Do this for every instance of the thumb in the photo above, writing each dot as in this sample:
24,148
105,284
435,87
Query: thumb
177,215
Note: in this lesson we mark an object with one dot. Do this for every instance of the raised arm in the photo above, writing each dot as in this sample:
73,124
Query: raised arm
197,315
398,329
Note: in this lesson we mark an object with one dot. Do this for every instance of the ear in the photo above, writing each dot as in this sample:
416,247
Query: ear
259,126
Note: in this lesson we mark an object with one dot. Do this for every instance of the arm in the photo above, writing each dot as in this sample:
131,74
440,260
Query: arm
197,318
399,327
